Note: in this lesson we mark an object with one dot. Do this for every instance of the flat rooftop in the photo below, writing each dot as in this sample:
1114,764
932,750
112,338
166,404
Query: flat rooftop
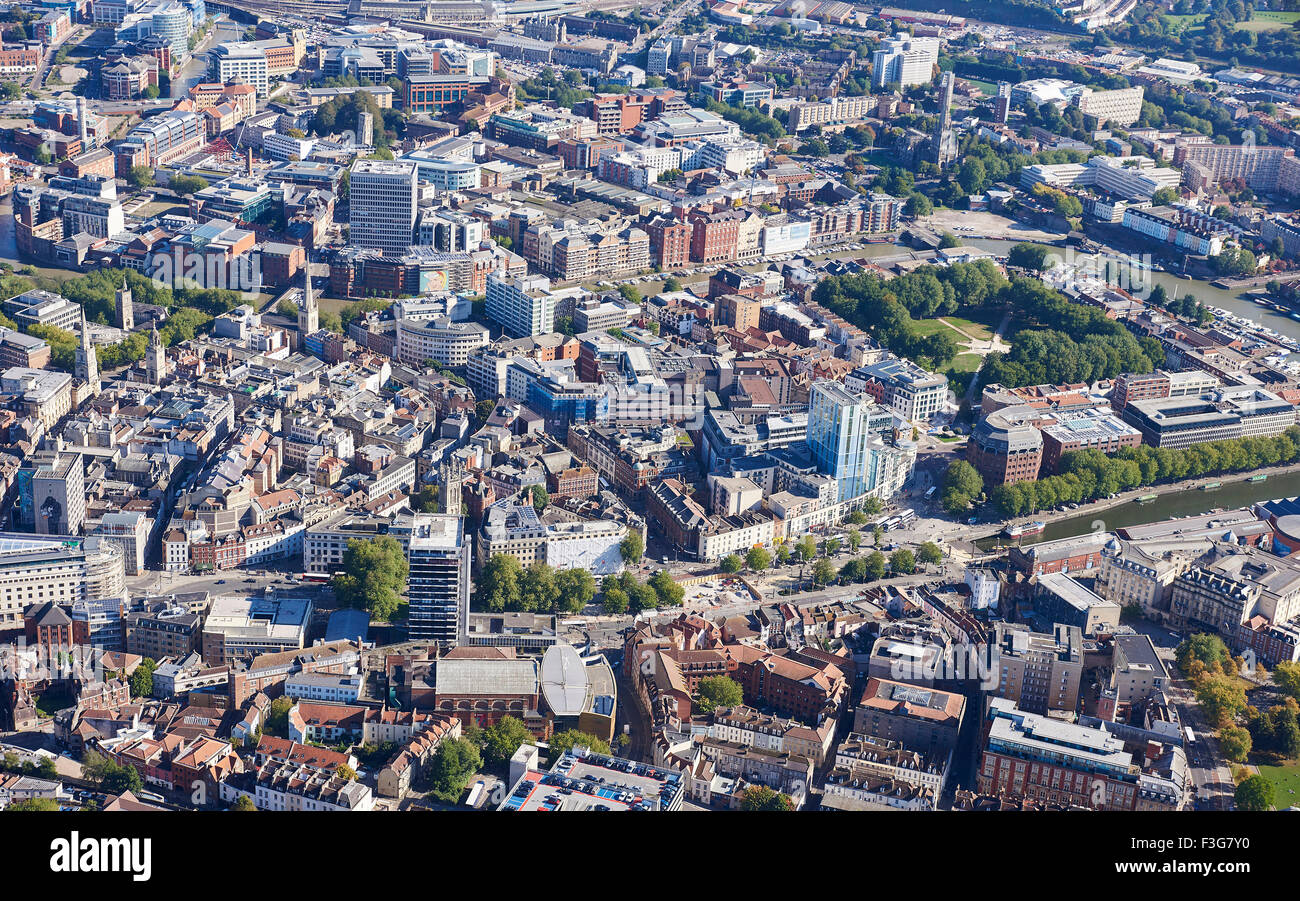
436,531
282,618
596,782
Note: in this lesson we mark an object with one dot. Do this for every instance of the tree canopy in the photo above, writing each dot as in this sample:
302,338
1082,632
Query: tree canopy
1254,793
572,738
455,761
500,741
718,691
763,798
374,576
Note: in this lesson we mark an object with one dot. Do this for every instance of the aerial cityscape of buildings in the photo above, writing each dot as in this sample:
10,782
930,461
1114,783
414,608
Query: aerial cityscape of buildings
685,406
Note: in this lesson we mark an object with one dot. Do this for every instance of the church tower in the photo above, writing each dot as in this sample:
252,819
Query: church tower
308,313
125,308
451,478
155,357
87,365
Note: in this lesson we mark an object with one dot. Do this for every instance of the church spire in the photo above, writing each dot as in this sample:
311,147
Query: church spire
308,313
86,365
308,299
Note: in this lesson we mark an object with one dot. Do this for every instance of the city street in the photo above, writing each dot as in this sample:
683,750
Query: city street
1211,777
276,574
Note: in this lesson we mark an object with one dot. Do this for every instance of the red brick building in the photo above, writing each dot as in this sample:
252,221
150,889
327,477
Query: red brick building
670,242
790,688
49,626
714,235
576,481
1004,450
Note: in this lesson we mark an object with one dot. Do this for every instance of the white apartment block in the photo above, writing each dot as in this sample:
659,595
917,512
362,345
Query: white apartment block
1131,177
658,58
835,111
39,568
1166,224
904,60
716,545
95,216
1122,107
445,342
337,689
486,372
593,546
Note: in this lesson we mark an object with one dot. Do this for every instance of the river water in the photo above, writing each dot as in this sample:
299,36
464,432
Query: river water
196,70
1236,493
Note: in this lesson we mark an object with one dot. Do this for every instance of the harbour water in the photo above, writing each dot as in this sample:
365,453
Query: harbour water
1236,492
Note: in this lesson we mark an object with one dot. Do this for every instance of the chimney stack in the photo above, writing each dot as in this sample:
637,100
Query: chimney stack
248,161
82,130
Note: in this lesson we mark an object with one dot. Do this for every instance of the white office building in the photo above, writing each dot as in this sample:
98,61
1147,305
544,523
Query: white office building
444,342
523,306
1123,107
241,63
383,201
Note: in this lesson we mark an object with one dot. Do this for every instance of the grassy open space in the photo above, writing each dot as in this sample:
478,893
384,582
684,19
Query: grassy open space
965,363
981,331
1269,20
988,87
30,270
335,304
1179,24
162,207
979,326
51,702
933,326
1285,780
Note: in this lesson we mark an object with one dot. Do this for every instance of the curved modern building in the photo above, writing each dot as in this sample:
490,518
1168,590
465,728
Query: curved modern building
445,342
1003,449
59,568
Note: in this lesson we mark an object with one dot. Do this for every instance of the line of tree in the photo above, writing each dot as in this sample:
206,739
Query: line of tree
1090,474
763,798
752,122
109,776
1217,38
1186,307
962,486
342,113
45,769
1064,342
625,593
190,309
504,585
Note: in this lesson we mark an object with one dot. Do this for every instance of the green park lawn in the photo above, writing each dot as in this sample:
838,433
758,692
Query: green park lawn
162,207
1285,780
1269,20
981,331
962,329
1183,23
933,326
965,363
